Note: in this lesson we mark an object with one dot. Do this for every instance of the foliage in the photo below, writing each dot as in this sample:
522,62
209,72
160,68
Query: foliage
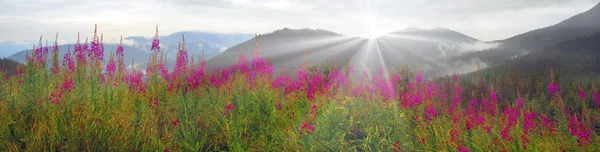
246,107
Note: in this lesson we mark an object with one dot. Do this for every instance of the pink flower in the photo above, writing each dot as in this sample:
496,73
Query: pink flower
480,120
120,58
455,77
67,85
462,149
430,113
181,63
505,134
111,67
549,124
528,124
524,141
228,109
520,103
68,62
582,95
175,122
307,128
80,52
155,42
419,79
396,146
454,135
596,99
553,89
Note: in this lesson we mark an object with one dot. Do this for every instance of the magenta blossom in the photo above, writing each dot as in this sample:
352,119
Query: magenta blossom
596,99
553,89
68,62
175,122
430,112
306,128
462,149
582,94
228,109
520,103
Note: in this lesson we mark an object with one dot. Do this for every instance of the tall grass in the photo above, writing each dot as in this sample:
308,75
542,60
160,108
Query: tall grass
85,104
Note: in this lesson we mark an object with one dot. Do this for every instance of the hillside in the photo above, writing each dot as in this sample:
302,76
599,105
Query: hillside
579,25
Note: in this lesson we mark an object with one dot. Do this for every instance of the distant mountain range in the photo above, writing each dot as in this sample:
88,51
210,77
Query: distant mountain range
8,48
286,48
583,24
437,51
138,47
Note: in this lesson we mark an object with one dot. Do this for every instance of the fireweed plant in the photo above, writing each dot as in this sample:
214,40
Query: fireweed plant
87,103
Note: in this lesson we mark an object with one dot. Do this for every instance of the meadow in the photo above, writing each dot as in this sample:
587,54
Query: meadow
86,104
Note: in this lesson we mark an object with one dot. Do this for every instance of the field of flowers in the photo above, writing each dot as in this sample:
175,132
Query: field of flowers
85,104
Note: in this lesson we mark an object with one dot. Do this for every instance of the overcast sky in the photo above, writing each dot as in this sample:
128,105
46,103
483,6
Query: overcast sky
22,21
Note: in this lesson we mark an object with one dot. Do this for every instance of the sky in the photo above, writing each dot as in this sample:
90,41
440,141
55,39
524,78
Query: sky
23,21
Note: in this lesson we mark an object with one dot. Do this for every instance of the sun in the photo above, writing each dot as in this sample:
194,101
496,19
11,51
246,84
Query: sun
375,33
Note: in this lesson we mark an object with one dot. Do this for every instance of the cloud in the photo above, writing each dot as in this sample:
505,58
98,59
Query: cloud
467,66
477,46
23,20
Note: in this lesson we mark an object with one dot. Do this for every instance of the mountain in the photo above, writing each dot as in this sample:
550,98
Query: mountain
572,61
130,52
9,66
439,43
286,48
579,25
213,44
8,48
138,47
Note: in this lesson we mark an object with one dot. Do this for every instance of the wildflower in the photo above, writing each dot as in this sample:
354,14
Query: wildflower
102,78
553,89
175,122
462,149
582,95
596,99
67,85
454,135
350,70
455,77
480,120
306,128
505,133
55,68
155,42
228,109
80,50
430,113
314,111
487,128
528,124
493,97
524,141
396,146
155,103
520,103
68,61
111,67
579,129
419,79
549,124
181,62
